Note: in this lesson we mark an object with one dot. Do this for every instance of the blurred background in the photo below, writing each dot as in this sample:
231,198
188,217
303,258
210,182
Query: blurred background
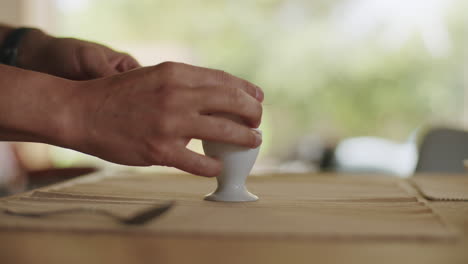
351,85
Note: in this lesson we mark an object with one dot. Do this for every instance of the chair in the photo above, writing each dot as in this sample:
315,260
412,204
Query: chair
442,150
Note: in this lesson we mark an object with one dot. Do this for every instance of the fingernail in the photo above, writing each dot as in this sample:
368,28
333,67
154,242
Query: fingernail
258,137
259,94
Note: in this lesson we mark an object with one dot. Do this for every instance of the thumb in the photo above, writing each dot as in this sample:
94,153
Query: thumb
100,68
127,63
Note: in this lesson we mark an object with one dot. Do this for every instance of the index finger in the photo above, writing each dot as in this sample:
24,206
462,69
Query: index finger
222,78
200,76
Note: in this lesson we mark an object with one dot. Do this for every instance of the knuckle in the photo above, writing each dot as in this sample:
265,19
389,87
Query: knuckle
258,112
153,153
244,136
235,96
225,129
168,158
85,52
168,125
166,65
252,139
168,68
222,77
168,71
248,87
160,154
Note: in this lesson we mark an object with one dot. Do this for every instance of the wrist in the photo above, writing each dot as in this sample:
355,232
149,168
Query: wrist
71,122
34,106
76,121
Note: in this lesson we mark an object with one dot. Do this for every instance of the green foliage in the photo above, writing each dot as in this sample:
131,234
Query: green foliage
312,81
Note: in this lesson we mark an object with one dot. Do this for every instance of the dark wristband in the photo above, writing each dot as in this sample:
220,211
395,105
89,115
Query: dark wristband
9,48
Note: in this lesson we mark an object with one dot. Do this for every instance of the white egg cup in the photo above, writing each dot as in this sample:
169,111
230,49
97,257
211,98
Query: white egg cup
237,164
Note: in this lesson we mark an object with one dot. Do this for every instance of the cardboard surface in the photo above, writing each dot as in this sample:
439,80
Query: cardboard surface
310,207
443,187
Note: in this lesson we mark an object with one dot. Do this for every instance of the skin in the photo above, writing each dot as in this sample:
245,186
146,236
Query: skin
71,58
101,102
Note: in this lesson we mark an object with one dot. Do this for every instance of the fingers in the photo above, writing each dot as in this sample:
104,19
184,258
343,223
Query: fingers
127,63
224,130
200,77
98,67
101,67
195,163
132,62
221,78
229,100
96,71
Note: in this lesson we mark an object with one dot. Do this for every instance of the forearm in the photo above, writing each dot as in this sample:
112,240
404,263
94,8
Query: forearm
33,106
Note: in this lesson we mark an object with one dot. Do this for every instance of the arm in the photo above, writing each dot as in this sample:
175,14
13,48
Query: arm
31,105
143,117
68,57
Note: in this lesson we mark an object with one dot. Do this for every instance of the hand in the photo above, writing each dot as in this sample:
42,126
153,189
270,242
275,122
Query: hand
71,58
147,116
